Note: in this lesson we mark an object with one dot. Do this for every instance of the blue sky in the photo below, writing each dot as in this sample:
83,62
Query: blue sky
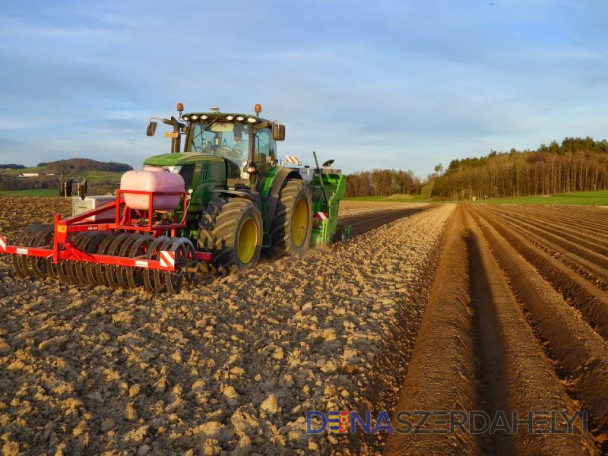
382,84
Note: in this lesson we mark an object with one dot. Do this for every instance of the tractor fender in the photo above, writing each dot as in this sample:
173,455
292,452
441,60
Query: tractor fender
275,190
252,196
233,193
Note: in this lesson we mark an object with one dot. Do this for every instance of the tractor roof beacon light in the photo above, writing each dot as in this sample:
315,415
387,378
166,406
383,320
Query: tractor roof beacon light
180,108
258,109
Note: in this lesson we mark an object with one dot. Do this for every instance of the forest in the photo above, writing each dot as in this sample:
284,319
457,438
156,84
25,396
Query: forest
576,164
382,182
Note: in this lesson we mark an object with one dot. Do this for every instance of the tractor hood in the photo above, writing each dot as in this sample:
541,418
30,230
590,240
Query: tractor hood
182,158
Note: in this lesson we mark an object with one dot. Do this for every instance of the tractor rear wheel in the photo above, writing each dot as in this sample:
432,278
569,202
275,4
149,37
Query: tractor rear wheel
231,229
292,223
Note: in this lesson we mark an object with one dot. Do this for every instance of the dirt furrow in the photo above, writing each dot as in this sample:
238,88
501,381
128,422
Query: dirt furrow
571,253
441,374
590,300
517,376
581,354
574,217
364,222
476,350
571,234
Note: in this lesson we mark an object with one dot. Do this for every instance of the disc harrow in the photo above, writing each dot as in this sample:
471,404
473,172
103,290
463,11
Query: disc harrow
116,259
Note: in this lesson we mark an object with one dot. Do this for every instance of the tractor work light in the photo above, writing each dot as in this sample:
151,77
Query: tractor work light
251,120
185,118
240,118
229,117
193,117
204,117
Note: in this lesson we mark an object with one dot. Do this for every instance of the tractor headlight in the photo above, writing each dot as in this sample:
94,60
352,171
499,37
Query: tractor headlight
173,169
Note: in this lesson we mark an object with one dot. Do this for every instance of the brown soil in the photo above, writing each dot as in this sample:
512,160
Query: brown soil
491,308
509,305
231,365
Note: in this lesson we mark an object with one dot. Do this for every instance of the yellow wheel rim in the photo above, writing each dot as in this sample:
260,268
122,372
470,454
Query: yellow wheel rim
299,222
247,240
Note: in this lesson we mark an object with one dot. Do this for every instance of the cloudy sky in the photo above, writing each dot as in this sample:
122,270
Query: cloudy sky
373,84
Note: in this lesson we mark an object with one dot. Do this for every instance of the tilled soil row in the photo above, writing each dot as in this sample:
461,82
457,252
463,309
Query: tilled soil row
590,300
589,221
575,235
229,367
361,223
522,361
583,365
441,374
573,251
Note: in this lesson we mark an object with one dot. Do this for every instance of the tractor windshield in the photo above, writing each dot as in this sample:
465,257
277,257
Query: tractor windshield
224,139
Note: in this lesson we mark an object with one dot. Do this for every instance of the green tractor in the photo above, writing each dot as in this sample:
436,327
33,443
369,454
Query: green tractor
215,206
243,198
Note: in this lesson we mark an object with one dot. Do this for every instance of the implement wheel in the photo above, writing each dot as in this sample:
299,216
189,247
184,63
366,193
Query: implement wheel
231,229
292,224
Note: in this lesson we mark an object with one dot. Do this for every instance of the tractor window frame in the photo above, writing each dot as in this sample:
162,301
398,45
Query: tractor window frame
201,138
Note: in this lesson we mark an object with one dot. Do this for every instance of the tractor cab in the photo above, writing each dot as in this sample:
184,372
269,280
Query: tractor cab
246,142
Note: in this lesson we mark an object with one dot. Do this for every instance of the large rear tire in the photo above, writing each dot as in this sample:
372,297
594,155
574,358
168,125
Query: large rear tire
292,223
231,229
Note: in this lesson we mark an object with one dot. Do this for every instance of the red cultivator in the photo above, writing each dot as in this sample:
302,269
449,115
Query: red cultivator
113,245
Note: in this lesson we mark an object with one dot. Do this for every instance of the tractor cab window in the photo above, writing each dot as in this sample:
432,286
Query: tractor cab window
264,149
224,139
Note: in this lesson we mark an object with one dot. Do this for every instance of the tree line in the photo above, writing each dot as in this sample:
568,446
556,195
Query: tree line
382,182
577,164
73,165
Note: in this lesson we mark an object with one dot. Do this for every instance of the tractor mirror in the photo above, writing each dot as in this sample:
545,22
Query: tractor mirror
151,128
278,132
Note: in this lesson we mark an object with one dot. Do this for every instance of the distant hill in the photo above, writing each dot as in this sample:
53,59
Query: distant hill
102,176
79,165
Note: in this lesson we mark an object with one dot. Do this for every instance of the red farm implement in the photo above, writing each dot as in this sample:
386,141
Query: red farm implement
113,245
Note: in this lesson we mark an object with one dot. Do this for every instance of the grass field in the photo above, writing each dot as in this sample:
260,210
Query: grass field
412,199
594,198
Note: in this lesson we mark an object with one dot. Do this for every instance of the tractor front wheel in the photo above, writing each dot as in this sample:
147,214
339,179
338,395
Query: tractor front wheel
292,224
231,229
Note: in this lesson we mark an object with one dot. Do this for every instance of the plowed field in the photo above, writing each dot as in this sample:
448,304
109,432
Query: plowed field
516,322
494,309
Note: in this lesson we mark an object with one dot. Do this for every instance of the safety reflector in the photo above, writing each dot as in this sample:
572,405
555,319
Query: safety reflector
322,216
292,159
167,259
22,251
141,264
2,244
